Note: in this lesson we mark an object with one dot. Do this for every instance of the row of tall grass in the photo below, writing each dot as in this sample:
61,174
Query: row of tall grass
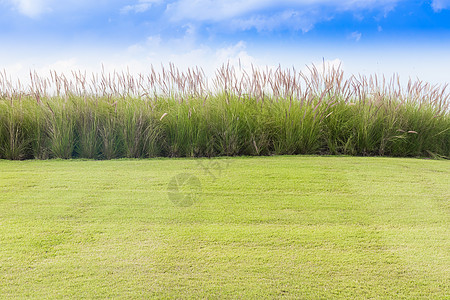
262,112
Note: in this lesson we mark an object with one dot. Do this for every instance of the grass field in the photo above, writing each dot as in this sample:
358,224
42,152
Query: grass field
290,226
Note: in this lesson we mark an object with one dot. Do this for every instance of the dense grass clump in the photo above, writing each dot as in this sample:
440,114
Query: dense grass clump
178,114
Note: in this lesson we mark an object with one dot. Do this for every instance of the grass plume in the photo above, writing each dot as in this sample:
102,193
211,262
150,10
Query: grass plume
262,112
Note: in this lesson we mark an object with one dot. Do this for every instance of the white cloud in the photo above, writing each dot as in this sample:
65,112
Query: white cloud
219,10
140,7
155,51
32,8
152,43
234,54
291,19
267,14
439,5
36,8
355,36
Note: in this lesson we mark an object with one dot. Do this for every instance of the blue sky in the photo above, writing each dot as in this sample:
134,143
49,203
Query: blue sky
411,38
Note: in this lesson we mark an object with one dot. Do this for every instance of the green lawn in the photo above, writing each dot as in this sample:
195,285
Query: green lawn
291,226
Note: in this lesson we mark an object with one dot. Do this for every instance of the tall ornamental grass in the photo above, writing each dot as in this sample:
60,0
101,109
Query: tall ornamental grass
263,112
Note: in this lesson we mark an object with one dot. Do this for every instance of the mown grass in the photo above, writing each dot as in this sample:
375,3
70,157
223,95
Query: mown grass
272,227
175,114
